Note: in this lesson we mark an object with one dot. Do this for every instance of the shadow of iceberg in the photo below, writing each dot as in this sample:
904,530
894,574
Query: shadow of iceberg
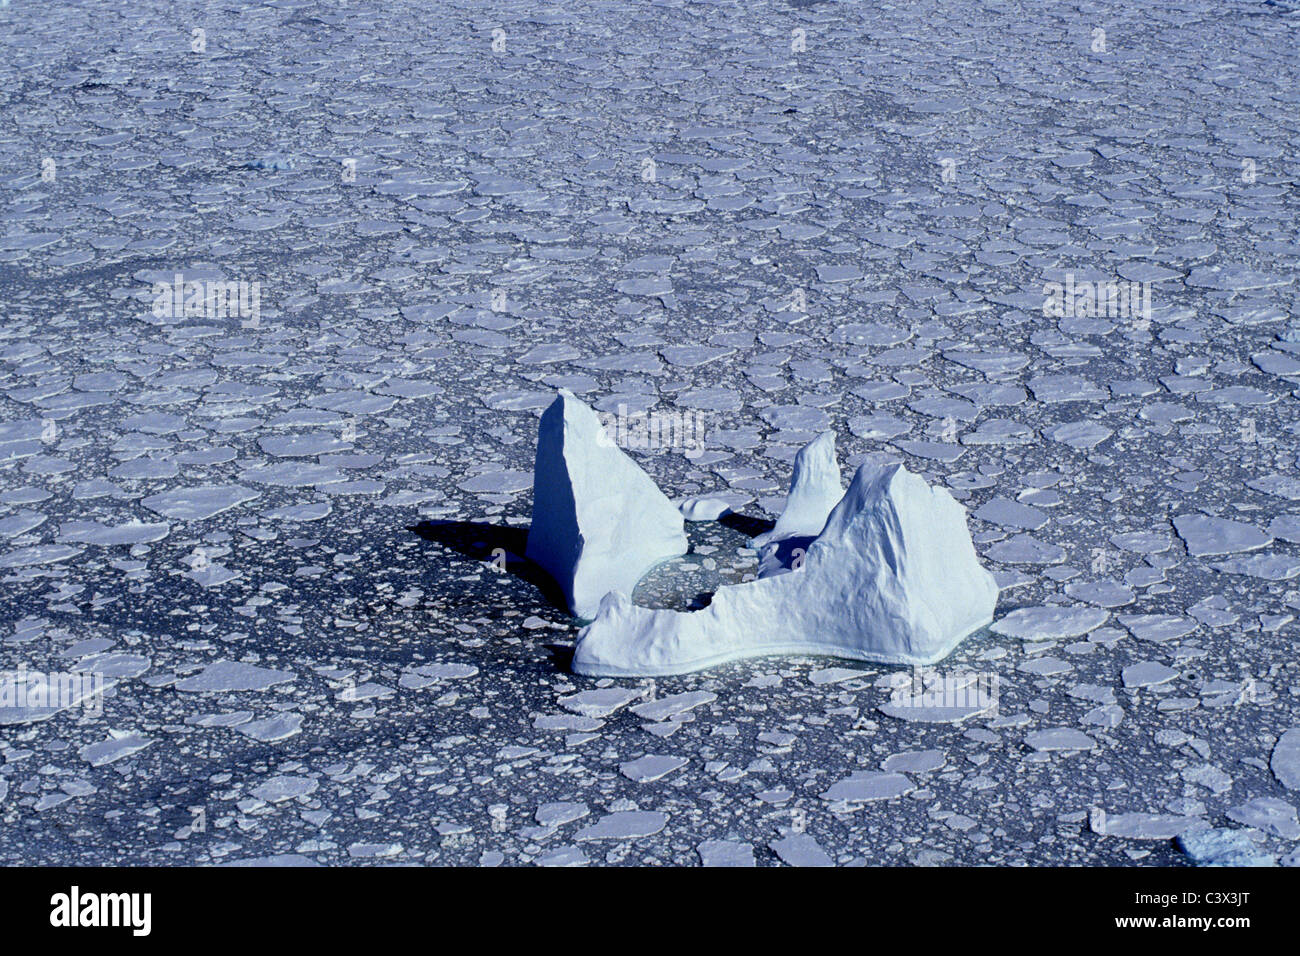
502,546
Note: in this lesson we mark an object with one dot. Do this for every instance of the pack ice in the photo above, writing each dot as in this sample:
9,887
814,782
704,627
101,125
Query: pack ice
599,522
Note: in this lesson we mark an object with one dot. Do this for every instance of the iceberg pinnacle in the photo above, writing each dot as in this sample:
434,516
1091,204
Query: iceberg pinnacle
599,521
815,490
893,578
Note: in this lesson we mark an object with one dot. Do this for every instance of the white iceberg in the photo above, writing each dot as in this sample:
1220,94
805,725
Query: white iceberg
599,521
892,578
815,490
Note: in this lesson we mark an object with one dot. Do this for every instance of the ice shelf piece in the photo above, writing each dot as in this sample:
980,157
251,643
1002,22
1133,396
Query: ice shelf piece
599,521
892,578
815,490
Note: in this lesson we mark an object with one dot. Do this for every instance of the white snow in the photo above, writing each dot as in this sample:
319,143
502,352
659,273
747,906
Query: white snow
892,578
599,522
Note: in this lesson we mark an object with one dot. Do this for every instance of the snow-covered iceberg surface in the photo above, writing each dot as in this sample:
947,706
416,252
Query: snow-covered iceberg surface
893,577
599,521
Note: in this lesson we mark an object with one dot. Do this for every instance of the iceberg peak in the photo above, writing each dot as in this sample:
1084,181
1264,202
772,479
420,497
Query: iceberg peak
599,521
815,490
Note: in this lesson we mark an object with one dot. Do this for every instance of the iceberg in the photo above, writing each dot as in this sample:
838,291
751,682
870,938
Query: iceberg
599,522
893,577
815,490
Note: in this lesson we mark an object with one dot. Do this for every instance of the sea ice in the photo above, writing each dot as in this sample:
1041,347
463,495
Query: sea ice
223,677
92,532
1060,738
704,508
624,825
113,749
1268,813
1205,534
276,860
1222,847
725,853
285,787
599,521
667,708
31,697
651,767
1050,623
601,702
800,849
1141,826
864,786
273,729
892,578
1285,762
199,501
